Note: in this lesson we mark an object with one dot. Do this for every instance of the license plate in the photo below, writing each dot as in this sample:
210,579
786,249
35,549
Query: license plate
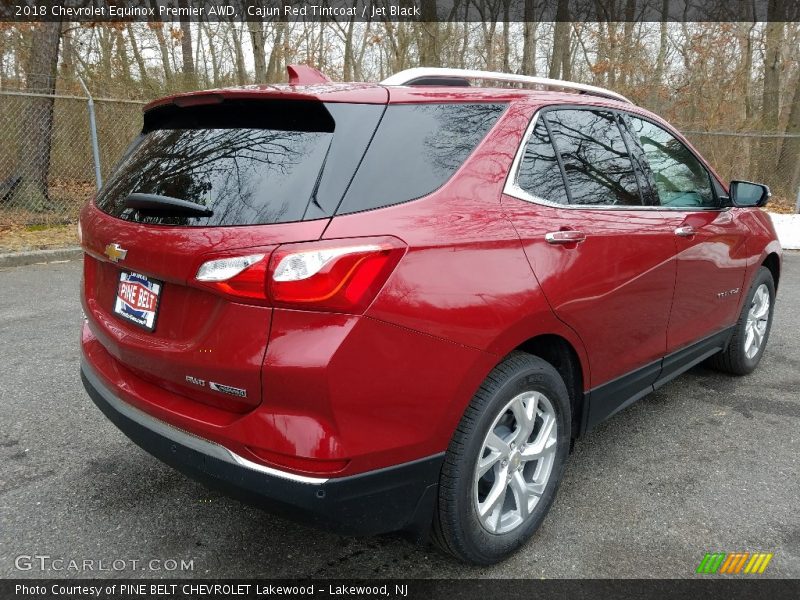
137,299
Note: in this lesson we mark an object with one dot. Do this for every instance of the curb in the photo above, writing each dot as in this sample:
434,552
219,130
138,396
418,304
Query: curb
19,259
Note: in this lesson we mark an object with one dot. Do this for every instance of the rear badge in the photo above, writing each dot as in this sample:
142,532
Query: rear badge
218,387
226,389
115,252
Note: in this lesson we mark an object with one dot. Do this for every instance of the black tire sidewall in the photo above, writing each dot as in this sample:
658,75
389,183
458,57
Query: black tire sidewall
480,542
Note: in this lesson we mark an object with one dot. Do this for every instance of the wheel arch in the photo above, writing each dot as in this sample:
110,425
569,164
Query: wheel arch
559,352
773,262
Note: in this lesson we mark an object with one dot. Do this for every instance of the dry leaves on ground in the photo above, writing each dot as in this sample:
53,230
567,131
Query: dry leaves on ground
21,239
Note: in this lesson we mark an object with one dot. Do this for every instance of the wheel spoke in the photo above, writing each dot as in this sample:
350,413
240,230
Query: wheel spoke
497,444
761,309
757,337
521,493
543,444
488,461
524,409
491,509
748,339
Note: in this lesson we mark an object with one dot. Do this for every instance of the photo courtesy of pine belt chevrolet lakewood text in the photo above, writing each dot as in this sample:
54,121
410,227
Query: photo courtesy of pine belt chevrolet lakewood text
395,306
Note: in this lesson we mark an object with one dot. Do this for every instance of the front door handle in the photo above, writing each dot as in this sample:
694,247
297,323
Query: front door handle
685,231
565,237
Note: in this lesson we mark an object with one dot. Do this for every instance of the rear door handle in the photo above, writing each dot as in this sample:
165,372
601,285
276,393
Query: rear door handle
565,237
685,231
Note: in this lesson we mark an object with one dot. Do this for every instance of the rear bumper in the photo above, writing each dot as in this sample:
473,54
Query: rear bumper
396,498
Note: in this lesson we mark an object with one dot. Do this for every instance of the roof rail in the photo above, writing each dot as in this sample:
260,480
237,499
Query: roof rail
426,74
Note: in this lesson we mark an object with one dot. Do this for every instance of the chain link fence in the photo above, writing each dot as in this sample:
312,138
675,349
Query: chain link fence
47,171
773,159
46,164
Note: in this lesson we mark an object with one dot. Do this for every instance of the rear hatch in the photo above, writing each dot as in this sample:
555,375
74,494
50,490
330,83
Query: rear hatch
204,181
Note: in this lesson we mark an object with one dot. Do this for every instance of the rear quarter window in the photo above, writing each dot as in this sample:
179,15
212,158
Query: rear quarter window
416,149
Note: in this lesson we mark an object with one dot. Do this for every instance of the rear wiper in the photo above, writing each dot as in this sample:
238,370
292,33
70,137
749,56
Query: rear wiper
166,205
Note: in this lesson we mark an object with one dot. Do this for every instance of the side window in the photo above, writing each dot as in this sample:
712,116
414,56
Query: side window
680,179
415,150
539,174
644,175
596,162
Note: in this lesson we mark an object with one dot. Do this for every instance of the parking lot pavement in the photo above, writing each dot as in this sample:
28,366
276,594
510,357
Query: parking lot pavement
707,463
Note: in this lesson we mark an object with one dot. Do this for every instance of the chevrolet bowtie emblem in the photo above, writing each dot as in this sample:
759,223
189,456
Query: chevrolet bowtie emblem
115,252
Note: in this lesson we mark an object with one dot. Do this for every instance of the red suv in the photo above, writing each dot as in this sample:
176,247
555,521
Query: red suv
394,306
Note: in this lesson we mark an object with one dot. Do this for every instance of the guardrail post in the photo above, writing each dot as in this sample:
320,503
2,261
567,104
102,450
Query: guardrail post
98,177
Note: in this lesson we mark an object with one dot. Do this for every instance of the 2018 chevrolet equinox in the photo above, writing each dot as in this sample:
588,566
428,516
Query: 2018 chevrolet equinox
394,306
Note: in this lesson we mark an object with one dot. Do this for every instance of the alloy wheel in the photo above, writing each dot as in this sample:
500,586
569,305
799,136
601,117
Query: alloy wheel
515,462
757,320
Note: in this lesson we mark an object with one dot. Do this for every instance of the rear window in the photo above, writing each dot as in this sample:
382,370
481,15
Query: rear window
416,149
250,162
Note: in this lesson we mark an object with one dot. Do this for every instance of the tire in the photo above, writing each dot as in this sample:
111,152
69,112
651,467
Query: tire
738,358
509,390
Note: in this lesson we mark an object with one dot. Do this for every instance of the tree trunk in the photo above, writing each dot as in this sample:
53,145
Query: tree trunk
158,29
348,70
259,60
560,41
212,50
276,55
34,158
137,56
627,45
67,54
122,56
770,99
745,35
241,71
186,48
529,39
428,35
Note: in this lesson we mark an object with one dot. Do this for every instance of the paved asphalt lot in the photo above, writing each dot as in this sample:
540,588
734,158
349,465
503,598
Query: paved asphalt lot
707,463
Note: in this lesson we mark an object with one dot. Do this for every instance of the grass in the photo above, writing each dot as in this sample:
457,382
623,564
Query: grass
37,237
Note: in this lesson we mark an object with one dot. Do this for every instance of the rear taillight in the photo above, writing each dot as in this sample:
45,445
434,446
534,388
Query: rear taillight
238,276
336,275
331,275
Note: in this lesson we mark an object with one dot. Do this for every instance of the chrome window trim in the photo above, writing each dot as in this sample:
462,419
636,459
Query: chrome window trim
511,188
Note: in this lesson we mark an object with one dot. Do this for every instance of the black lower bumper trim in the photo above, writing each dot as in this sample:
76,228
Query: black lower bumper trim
391,499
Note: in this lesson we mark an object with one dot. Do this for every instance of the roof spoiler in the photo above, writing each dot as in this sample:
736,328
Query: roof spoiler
305,75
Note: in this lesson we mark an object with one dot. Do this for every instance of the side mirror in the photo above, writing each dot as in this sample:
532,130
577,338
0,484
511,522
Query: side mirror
745,194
